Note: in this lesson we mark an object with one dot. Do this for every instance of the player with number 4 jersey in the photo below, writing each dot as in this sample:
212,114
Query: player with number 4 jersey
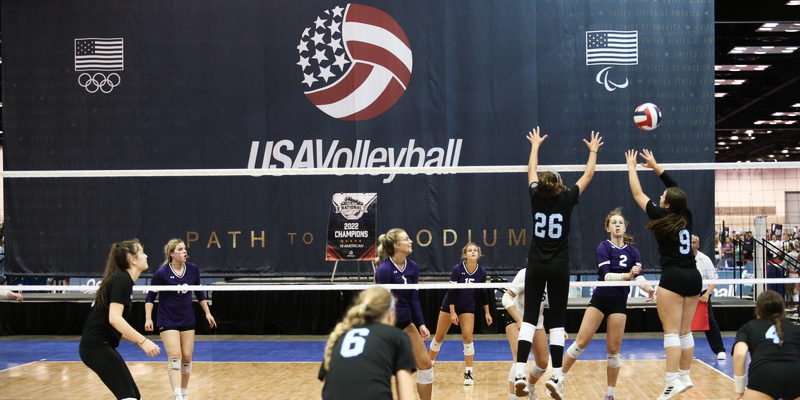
681,283
548,257
774,345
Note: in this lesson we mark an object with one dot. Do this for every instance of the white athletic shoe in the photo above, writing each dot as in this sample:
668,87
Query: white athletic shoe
521,387
687,382
177,396
468,379
609,397
722,356
532,390
672,389
555,387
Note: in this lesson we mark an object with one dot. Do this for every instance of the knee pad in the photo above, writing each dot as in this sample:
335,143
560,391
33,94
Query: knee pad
511,372
613,360
435,346
425,376
557,337
537,372
186,368
574,351
526,332
687,341
671,340
174,364
469,349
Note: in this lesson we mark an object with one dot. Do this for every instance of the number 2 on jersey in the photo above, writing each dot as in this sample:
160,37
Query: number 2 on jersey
549,226
353,342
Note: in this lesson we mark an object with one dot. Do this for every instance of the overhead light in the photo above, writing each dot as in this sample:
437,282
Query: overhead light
786,114
736,68
771,156
734,138
749,131
718,82
793,3
774,122
720,94
721,143
784,151
796,105
763,49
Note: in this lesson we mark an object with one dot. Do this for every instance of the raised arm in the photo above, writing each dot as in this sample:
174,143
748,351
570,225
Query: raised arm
533,161
588,173
633,179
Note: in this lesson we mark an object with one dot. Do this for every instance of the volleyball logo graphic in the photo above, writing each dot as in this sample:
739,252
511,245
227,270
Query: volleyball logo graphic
647,116
356,62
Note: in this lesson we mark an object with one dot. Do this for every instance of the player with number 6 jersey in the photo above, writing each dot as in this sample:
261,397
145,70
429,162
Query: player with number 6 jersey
681,283
175,317
548,257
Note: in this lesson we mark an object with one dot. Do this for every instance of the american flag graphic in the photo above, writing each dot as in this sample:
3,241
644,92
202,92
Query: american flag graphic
98,54
356,62
612,47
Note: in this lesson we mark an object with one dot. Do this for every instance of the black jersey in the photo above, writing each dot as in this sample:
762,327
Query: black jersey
674,251
98,331
762,341
551,221
363,361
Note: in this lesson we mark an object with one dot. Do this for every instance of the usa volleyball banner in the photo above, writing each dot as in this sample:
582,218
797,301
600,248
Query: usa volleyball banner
352,227
161,85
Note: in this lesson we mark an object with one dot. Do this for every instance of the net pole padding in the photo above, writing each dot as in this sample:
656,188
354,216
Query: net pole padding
487,169
424,286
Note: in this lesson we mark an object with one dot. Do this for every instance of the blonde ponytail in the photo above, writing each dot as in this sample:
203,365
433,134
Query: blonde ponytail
371,305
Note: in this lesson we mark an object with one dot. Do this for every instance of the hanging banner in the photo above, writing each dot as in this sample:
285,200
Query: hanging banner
351,227
108,85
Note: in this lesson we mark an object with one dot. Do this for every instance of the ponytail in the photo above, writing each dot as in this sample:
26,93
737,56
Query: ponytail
549,183
117,260
386,246
671,225
770,306
371,305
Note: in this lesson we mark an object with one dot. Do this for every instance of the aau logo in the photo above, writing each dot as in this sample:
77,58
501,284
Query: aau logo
356,62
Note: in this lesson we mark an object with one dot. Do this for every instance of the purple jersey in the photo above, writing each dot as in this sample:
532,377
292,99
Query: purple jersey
175,307
407,307
464,299
611,258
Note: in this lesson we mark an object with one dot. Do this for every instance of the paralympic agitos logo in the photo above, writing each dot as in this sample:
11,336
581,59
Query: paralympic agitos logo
356,62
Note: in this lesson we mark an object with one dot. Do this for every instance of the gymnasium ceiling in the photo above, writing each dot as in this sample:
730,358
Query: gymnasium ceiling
771,94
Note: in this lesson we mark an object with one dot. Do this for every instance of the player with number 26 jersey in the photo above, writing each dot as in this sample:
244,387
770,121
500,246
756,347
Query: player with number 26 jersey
175,307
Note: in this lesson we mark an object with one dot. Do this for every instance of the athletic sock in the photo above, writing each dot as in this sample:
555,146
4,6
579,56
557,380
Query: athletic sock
610,391
469,369
671,376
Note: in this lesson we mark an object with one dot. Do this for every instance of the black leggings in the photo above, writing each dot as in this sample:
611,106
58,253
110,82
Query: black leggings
556,277
108,364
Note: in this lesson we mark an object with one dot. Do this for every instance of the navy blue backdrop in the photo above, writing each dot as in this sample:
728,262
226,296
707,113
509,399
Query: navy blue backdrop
171,84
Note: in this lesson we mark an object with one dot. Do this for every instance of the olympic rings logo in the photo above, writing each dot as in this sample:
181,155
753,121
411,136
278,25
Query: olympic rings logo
98,81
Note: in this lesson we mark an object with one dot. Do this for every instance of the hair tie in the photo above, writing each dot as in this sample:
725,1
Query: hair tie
366,306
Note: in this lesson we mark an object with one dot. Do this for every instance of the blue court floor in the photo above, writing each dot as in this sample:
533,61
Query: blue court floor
14,353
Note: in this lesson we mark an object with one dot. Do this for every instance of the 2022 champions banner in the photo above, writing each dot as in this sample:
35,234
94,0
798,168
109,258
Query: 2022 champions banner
164,84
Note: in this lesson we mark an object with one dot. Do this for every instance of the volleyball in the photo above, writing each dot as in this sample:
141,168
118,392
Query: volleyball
647,116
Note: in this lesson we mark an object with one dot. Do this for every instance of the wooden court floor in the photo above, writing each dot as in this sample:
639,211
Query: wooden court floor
639,379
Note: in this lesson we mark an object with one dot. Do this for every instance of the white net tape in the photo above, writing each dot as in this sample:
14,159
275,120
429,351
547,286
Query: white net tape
487,169
233,287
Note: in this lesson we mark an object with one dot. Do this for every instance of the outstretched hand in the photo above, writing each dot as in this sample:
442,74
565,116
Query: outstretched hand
595,143
535,138
630,158
649,158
